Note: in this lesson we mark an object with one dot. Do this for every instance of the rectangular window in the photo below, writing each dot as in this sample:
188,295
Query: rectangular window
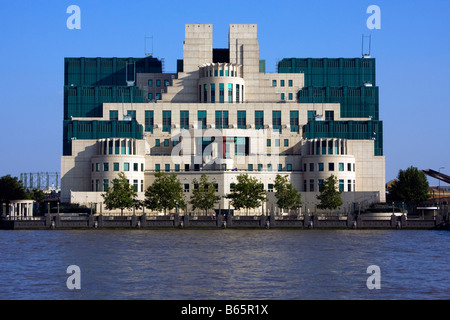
294,121
97,185
157,167
158,96
259,119
158,83
260,167
277,142
304,185
349,167
186,187
341,166
150,83
320,184
330,147
274,83
320,166
241,119
149,120
166,83
97,167
166,142
177,167
167,167
280,167
110,147
135,166
105,184
276,121
135,185
221,93
126,166
341,185
250,167
281,83
289,167
286,142
157,143
290,96
221,73
269,167
116,166
106,166
113,115
290,83
167,121
142,185
311,185
330,166
349,185
184,119
268,142
230,93
213,93
311,167
150,96
237,93
282,97
226,73
201,116
329,115
221,119
270,187
205,93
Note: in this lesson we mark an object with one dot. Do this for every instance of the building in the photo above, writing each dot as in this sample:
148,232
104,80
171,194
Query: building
221,114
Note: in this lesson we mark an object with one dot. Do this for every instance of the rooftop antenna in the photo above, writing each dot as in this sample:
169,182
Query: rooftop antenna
365,55
148,54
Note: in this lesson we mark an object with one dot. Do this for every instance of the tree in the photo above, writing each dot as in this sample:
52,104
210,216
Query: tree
165,193
287,196
248,193
411,186
204,196
329,197
121,195
10,189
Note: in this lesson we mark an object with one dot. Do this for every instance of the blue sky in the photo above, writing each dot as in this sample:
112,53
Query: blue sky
412,50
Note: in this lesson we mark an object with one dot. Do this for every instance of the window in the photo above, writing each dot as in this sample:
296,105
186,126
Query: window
289,167
150,96
269,167
158,83
270,187
142,167
311,185
260,167
167,167
106,166
237,93
320,166
281,83
97,185
250,167
331,166
116,166
330,147
280,167
290,95
135,185
167,121
157,143
230,93
221,119
349,185
157,167
186,187
290,83
110,147
241,119
201,116
142,185
276,121
341,166
232,186
166,83
282,96
126,166
205,93
286,142
320,184
221,93
105,184
353,167
221,73
97,167
311,167
135,166
259,119
349,167
150,83
113,115
166,142
341,185
274,83
226,73
268,142
329,115
294,121
184,119
149,120
213,93
277,142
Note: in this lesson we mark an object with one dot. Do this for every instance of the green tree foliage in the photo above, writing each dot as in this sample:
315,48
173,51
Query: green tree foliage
411,186
165,193
121,195
248,193
11,189
204,196
329,197
287,196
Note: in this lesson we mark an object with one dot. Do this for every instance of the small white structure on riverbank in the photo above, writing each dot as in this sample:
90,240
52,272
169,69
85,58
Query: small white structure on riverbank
21,208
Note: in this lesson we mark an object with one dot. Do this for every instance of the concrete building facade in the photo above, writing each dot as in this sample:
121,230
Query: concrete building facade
220,114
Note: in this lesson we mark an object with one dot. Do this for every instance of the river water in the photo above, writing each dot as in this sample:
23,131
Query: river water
225,264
